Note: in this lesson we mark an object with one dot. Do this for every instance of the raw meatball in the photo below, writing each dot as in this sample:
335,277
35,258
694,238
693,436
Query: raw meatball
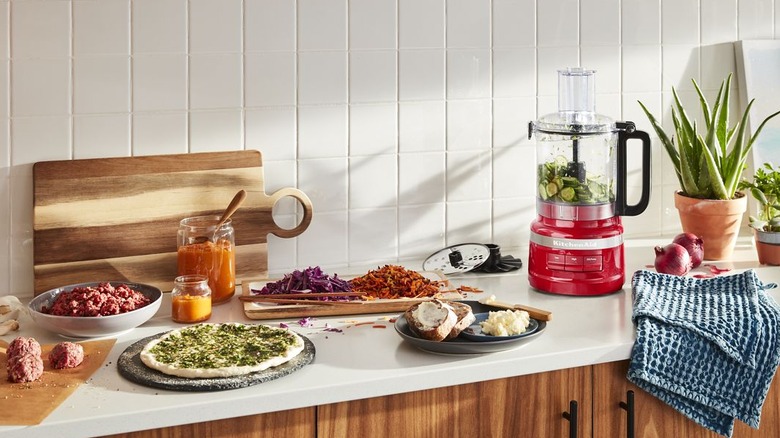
24,360
66,355
21,346
28,368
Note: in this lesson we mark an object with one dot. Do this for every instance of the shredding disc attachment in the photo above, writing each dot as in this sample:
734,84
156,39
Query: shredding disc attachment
463,257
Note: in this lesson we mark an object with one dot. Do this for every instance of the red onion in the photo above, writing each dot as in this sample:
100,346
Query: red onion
672,259
693,244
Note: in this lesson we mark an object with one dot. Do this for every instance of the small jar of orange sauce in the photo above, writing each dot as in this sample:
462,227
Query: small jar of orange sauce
191,299
205,250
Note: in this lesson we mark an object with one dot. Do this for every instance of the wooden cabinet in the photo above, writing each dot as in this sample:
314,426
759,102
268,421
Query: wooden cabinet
527,406
519,406
298,423
655,419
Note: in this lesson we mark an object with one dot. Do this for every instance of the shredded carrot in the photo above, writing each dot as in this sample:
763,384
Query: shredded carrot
379,326
391,281
468,289
363,323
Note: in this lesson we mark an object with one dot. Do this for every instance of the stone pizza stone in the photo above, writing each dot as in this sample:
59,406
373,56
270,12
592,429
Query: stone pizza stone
132,368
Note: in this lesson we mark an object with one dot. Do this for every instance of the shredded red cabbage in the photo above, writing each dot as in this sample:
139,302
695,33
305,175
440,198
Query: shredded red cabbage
306,281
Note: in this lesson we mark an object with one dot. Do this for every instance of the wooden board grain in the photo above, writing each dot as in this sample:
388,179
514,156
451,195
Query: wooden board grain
27,404
117,218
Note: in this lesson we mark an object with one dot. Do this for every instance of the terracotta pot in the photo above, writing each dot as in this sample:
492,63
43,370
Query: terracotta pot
716,221
767,247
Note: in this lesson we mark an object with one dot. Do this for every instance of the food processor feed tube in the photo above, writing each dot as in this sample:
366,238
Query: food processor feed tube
576,243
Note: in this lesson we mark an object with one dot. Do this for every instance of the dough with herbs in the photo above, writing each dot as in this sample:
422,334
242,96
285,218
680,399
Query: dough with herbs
221,350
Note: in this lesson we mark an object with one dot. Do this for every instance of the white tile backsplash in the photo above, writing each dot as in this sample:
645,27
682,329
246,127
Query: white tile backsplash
640,22
159,82
322,131
680,22
101,84
272,131
373,24
322,77
373,181
514,72
373,129
40,29
468,73
469,125
514,23
755,19
101,27
213,131
421,230
40,86
421,178
159,26
159,133
468,23
322,24
5,20
101,136
421,24
215,26
600,22
422,126
404,121
562,25
717,21
269,25
215,81
373,235
373,76
421,75
269,78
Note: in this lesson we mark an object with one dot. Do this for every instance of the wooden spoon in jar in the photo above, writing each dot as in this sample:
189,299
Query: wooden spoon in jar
231,208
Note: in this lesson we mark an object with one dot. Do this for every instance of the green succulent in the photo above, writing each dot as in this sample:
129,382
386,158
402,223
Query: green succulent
765,187
708,162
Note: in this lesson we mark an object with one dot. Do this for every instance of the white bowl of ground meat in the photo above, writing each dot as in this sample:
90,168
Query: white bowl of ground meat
88,310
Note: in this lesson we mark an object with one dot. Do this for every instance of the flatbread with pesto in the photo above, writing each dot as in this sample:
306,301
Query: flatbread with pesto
221,350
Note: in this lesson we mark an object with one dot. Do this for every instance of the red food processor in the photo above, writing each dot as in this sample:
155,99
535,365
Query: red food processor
576,243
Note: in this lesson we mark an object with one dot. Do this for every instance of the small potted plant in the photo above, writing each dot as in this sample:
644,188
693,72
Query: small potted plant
765,188
709,161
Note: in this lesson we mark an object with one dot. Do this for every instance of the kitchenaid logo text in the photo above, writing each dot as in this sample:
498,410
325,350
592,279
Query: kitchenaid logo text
584,244
575,244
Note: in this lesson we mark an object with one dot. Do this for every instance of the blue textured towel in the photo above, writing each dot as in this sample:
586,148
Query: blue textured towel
707,347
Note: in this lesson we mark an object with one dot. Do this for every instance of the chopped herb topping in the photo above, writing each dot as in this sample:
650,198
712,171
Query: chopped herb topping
222,345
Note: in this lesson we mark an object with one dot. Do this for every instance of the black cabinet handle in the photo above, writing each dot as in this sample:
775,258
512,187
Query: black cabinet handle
628,405
572,417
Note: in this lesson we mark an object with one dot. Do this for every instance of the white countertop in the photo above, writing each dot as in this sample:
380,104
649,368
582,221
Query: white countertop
364,361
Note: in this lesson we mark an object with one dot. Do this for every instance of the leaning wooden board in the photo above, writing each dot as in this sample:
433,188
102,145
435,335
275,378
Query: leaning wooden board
117,218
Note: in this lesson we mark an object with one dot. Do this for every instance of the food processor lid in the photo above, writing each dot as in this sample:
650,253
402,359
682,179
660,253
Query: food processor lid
576,106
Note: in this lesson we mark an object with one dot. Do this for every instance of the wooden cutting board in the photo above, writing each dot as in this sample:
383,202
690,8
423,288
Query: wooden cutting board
27,404
117,218
261,310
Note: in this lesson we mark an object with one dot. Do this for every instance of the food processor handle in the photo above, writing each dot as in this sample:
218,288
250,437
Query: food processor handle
627,131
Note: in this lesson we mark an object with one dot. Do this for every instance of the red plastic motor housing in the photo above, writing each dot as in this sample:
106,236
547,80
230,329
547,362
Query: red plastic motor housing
576,257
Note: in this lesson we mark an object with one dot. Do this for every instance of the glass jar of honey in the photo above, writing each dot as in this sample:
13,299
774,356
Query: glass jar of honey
191,299
205,250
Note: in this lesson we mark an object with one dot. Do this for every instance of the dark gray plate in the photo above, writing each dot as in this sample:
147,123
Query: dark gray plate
131,368
461,345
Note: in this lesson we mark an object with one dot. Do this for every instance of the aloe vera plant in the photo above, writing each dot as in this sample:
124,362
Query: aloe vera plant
709,162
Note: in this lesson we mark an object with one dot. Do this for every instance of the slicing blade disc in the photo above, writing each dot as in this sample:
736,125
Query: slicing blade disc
463,257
